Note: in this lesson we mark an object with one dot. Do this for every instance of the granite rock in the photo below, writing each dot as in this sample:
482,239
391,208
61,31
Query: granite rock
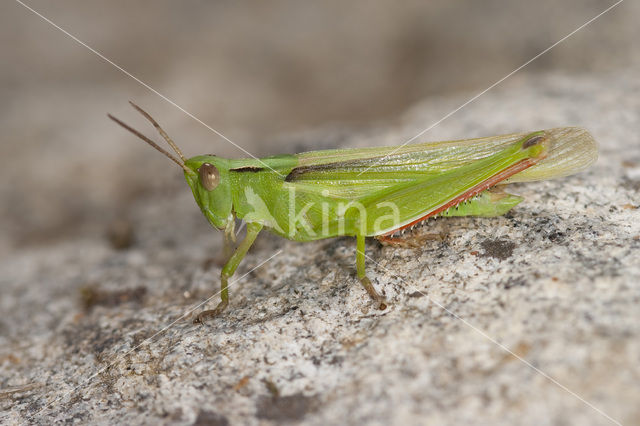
530,318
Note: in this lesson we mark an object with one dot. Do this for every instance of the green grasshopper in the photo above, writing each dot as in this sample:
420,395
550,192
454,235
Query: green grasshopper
368,192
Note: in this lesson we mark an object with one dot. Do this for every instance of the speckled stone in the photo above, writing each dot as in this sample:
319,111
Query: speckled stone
531,318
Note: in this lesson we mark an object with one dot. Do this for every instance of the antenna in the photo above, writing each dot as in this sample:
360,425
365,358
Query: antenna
160,130
152,143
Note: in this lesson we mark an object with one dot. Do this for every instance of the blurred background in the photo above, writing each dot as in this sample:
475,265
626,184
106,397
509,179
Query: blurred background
262,73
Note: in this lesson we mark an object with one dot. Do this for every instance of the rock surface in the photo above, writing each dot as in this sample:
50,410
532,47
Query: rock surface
531,318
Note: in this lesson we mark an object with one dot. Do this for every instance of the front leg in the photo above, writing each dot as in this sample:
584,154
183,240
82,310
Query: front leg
253,229
362,275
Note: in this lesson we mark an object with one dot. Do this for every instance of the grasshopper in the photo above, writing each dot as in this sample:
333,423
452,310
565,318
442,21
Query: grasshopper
368,192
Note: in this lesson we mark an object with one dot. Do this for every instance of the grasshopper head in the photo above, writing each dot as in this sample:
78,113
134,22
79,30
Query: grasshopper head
207,175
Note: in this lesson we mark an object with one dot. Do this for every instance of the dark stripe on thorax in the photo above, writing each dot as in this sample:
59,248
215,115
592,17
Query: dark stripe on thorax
251,169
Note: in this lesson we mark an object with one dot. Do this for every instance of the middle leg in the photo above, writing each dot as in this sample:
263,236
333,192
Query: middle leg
362,275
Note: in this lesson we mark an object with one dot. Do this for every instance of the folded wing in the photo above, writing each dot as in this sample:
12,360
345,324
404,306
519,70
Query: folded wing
353,174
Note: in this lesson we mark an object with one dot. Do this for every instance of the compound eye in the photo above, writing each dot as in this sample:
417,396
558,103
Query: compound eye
209,176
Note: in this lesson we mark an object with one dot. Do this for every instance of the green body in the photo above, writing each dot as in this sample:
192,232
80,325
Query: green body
369,192
322,194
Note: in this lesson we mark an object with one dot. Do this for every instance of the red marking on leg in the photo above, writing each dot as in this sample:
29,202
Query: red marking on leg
492,181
